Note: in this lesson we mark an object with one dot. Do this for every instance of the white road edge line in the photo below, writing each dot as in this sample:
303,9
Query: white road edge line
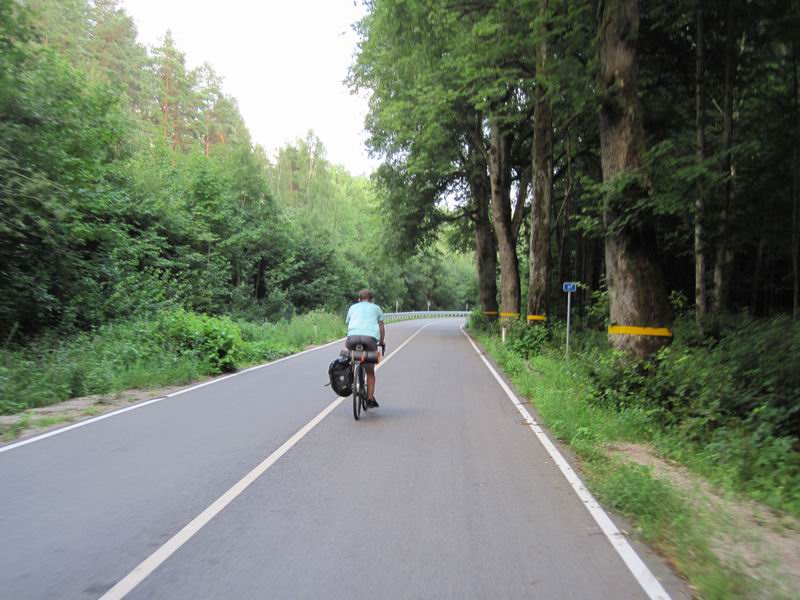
152,562
159,399
638,569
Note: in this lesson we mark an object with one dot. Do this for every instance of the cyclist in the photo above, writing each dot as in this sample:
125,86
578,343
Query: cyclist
365,326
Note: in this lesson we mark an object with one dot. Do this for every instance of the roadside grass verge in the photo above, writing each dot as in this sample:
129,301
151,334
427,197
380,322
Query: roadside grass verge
173,348
664,515
672,525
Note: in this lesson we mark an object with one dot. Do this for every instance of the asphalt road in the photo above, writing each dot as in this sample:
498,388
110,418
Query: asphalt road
442,492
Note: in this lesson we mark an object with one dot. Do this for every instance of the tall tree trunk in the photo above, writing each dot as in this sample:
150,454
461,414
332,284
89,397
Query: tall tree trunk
771,288
723,258
597,268
486,258
563,254
762,242
259,289
500,180
563,244
637,292
518,216
701,306
580,269
795,209
542,163
485,244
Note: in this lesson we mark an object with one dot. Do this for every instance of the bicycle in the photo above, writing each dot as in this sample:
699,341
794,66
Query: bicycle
358,358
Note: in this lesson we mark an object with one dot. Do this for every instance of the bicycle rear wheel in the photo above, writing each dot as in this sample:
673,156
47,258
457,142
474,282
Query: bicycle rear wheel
363,388
357,381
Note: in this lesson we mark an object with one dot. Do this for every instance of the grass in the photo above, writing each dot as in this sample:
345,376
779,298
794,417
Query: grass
558,389
170,349
15,428
670,524
50,421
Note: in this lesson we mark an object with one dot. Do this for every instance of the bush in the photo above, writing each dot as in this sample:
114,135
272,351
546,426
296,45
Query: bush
215,341
730,407
480,322
525,340
749,376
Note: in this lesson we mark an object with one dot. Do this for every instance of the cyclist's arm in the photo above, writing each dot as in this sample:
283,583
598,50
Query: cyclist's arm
383,331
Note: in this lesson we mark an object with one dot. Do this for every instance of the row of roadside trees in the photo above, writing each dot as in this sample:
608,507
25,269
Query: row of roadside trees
648,147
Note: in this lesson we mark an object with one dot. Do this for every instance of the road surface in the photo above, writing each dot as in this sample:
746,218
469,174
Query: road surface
442,492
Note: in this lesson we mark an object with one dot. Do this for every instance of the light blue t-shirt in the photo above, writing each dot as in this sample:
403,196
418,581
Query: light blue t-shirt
362,319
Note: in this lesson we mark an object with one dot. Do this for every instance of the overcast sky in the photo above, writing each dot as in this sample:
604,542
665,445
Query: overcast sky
284,61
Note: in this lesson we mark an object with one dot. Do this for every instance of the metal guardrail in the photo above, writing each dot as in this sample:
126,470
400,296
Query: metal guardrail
424,314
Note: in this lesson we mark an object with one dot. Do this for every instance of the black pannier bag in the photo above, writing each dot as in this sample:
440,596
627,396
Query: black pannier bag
341,376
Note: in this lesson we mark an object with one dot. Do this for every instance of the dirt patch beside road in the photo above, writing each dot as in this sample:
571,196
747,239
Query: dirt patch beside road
747,535
40,420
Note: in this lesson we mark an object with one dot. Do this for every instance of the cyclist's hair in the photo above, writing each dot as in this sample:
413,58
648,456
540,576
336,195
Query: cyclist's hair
365,295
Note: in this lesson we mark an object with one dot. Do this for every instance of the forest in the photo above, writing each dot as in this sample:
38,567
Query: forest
646,147
130,180
131,190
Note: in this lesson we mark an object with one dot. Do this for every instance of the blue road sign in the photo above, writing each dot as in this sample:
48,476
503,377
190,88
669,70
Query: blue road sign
569,286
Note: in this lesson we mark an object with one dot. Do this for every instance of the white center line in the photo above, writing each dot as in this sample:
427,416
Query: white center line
643,575
152,562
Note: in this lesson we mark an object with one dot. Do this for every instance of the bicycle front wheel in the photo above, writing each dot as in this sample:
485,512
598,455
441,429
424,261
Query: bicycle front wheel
357,393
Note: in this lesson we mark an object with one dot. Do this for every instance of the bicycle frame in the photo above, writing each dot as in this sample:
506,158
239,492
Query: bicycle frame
358,359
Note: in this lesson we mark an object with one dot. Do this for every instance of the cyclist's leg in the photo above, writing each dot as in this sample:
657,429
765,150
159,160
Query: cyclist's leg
370,381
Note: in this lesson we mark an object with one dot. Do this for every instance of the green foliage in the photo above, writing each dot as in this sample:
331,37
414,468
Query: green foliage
58,134
267,341
559,388
524,339
480,322
116,357
129,185
747,376
214,341
173,348
597,316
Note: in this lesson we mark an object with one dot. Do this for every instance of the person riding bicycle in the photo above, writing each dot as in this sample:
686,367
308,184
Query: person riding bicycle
365,326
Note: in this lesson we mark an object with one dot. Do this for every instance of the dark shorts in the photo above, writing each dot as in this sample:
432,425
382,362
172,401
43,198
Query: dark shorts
369,342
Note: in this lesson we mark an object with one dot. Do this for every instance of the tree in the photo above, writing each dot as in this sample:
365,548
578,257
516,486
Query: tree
499,153
542,159
699,206
635,282
724,254
795,184
175,98
428,131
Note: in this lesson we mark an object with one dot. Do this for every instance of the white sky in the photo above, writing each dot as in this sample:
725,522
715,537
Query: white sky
283,60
